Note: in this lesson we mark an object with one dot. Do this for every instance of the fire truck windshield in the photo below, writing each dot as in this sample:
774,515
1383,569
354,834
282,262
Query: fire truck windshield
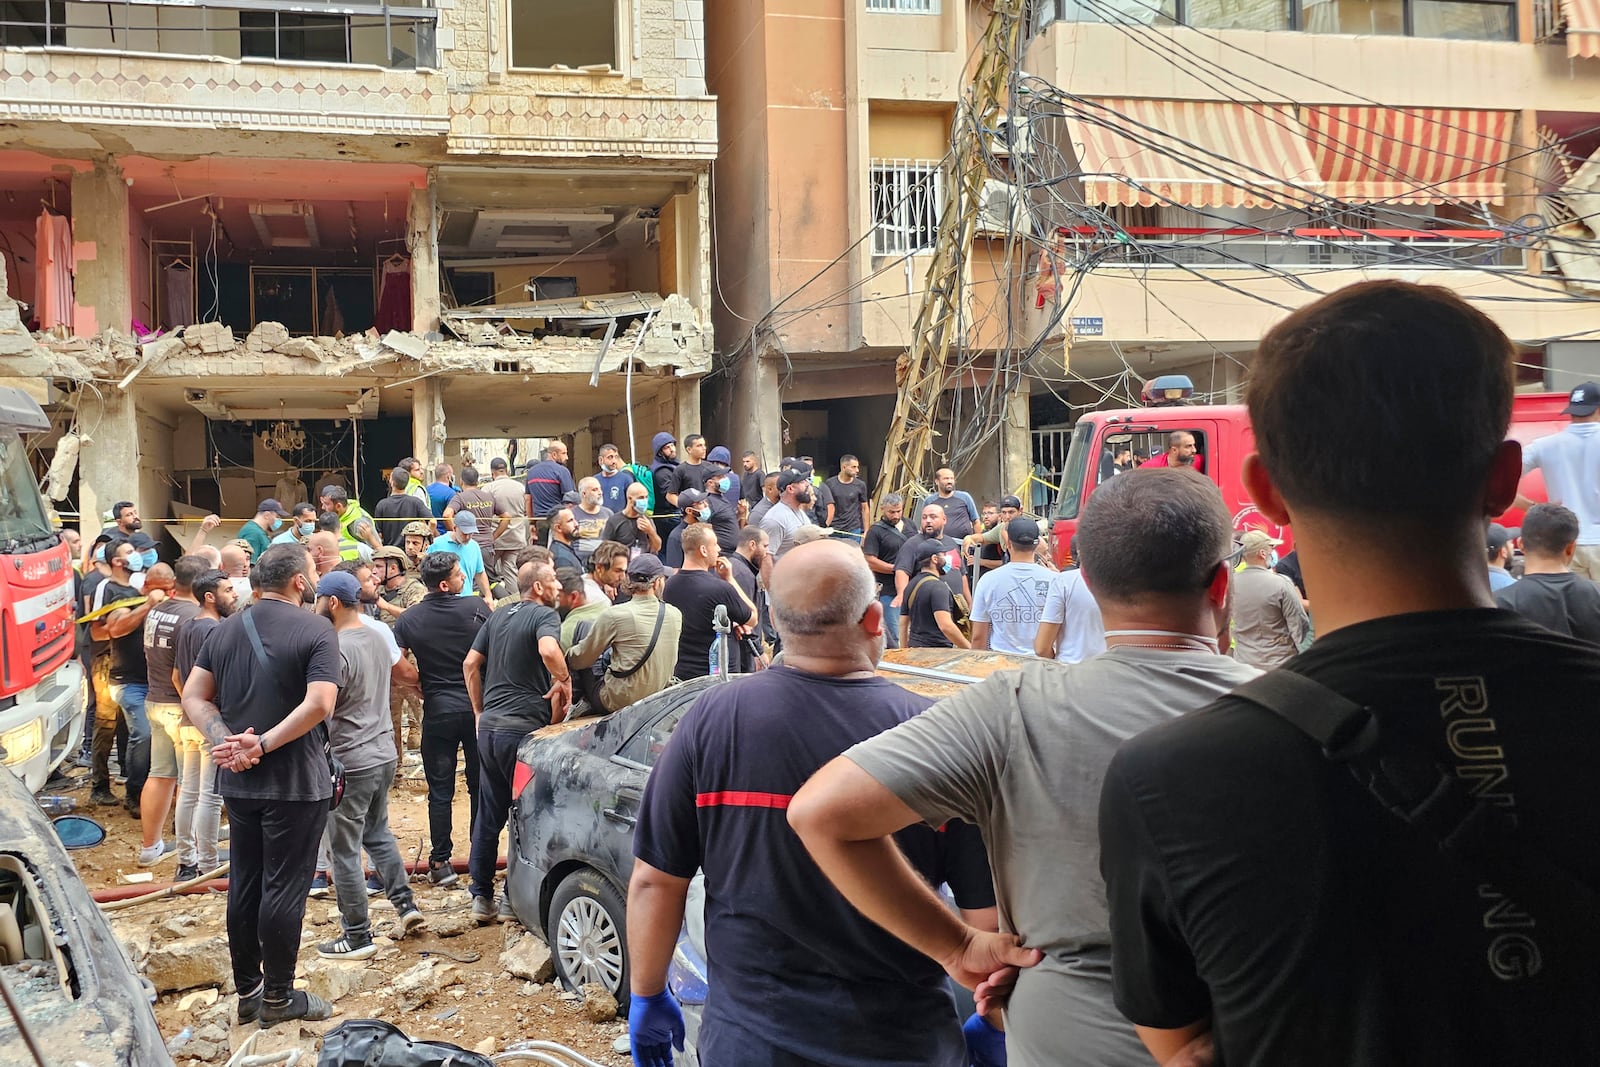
1073,470
23,520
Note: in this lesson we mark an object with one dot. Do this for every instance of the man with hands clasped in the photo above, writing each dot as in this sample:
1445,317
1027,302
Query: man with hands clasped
261,690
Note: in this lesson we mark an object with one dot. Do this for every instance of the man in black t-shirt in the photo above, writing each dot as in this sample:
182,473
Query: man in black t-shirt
400,508
694,470
1264,902
881,547
928,618
721,509
261,689
777,933
439,630
697,590
932,533
124,629
751,476
632,526
1549,593
850,495
160,635
517,680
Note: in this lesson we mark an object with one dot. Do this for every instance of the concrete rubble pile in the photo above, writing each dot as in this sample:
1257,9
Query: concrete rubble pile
674,338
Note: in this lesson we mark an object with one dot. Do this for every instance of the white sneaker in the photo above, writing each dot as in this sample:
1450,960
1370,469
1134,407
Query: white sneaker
149,857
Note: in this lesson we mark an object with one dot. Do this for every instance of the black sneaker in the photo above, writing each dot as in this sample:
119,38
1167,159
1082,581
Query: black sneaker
345,947
133,809
187,872
441,874
103,796
300,1005
250,1004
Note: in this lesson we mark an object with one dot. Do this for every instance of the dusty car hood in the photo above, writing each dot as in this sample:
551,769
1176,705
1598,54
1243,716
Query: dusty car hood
942,672
109,1019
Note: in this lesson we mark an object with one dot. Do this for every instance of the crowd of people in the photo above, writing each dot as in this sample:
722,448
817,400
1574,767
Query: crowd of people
1149,828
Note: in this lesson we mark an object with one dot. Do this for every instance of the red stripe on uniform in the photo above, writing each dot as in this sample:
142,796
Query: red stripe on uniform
739,799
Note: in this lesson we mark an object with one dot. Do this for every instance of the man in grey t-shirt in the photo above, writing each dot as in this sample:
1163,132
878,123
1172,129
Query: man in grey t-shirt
362,738
1022,754
787,514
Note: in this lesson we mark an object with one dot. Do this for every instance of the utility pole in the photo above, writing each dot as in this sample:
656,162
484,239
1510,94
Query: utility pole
922,374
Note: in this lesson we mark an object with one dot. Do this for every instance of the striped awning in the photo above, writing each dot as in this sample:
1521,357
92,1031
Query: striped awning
1583,28
1191,153
1411,155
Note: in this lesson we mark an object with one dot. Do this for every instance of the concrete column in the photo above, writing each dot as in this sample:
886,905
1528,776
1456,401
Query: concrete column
422,238
108,465
428,438
755,411
1016,444
584,446
100,248
686,393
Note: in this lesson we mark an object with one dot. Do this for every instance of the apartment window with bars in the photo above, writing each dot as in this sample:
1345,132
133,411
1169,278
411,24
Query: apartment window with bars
905,7
906,197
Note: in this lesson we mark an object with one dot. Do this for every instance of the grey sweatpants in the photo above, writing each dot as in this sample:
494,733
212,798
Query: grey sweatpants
362,821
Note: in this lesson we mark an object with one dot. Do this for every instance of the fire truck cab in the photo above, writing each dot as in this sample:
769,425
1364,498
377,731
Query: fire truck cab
42,689
1223,437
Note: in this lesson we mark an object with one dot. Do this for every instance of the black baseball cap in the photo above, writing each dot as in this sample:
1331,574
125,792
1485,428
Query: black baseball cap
689,498
1011,502
1585,400
1022,531
789,476
1499,535
926,551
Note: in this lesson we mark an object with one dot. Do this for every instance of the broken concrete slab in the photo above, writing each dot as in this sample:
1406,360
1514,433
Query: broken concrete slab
408,344
422,983
211,338
188,962
333,980
266,336
528,957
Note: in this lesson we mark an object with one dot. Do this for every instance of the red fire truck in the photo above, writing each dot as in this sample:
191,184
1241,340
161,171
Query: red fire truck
1223,438
41,681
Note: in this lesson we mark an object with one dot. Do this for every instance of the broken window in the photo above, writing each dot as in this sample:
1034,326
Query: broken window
564,33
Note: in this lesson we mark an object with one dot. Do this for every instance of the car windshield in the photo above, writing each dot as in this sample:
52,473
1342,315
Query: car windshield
1072,471
22,514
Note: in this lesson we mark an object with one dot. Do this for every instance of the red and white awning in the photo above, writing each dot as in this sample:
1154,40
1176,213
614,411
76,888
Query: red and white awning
1583,28
1194,153
1410,155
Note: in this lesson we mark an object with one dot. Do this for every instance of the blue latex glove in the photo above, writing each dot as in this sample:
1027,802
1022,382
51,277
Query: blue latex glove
986,1046
655,1028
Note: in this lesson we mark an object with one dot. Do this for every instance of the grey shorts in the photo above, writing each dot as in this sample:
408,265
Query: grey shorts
165,721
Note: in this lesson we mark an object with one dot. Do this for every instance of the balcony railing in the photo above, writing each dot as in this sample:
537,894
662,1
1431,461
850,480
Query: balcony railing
398,38
1300,248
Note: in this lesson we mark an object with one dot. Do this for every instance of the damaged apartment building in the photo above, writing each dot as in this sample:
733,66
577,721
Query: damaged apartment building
253,246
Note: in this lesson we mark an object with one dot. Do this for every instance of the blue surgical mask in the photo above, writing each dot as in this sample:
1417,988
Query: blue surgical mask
100,554
725,484
307,529
149,557
135,562
276,524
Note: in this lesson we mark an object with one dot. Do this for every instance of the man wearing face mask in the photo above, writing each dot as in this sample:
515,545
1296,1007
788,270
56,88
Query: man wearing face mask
124,628
302,524
261,690
259,530
722,508
1269,621
144,546
932,531
928,618
691,506
789,512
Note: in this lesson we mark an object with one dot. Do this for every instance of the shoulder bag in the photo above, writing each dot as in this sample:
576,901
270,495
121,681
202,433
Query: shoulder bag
1430,799
655,635
335,764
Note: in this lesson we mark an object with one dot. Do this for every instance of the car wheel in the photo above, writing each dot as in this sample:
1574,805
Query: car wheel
587,932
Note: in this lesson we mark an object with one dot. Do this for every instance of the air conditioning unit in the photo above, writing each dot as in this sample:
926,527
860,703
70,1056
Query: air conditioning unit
1003,207
1012,137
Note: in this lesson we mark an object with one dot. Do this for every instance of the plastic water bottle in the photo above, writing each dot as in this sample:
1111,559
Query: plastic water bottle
53,805
721,627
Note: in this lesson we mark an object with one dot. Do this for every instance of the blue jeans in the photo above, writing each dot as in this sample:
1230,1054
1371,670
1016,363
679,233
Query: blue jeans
130,697
891,619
